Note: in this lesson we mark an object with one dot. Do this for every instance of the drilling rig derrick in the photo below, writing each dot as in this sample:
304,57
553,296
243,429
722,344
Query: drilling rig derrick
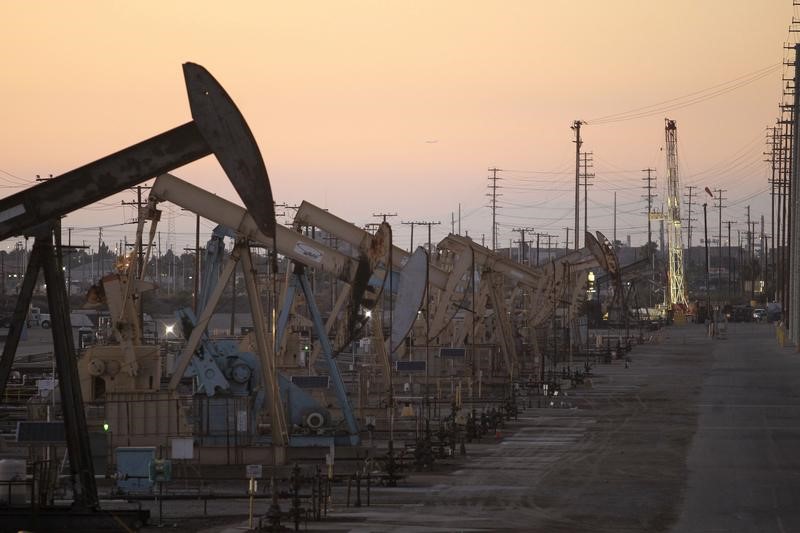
675,296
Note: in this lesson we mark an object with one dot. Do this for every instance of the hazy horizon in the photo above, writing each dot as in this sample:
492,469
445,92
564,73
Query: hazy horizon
366,107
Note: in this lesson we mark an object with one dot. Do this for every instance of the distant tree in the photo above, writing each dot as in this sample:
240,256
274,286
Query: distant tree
649,249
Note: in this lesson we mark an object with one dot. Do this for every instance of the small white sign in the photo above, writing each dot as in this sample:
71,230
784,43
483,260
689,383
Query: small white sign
183,448
309,252
46,385
255,471
241,421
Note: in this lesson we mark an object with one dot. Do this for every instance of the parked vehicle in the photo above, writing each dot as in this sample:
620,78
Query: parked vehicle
77,320
741,313
774,311
759,314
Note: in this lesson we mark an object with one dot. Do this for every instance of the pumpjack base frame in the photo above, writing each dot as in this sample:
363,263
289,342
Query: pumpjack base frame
67,519
299,284
322,441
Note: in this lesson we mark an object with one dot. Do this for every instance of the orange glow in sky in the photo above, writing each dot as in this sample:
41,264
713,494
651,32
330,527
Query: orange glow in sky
366,107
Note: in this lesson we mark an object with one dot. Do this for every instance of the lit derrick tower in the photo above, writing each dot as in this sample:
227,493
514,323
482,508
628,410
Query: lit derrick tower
676,295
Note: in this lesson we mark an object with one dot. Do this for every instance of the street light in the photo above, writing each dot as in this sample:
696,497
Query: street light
705,231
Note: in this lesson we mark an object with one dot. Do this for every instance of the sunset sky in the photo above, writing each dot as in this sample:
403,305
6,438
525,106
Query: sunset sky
346,100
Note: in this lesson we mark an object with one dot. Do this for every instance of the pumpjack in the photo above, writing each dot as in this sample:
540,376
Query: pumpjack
365,276
217,127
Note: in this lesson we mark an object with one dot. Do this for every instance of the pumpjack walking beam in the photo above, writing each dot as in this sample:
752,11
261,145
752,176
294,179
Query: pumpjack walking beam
217,127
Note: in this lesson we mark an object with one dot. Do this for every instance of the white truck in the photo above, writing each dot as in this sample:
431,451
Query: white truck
83,330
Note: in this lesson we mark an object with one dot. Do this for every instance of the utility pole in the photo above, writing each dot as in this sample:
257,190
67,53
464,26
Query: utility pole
783,214
649,196
772,138
791,100
3,279
763,251
576,127
412,224
423,223
384,216
615,220
493,194
739,262
689,195
754,260
69,250
196,288
730,267
196,279
99,253
705,230
566,246
69,262
138,272
522,251
588,162
549,242
719,199
139,204
749,247
777,241
427,304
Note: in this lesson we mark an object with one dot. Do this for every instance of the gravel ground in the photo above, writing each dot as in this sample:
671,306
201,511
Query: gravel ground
695,435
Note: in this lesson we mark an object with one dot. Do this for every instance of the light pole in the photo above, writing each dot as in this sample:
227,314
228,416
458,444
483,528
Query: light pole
705,231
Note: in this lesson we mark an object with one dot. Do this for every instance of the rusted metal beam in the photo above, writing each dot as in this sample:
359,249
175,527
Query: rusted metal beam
93,182
19,317
77,433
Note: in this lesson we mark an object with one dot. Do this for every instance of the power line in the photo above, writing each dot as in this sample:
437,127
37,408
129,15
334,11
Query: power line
689,99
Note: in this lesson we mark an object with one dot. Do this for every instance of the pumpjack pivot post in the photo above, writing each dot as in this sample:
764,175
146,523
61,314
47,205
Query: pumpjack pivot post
44,256
77,433
217,128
